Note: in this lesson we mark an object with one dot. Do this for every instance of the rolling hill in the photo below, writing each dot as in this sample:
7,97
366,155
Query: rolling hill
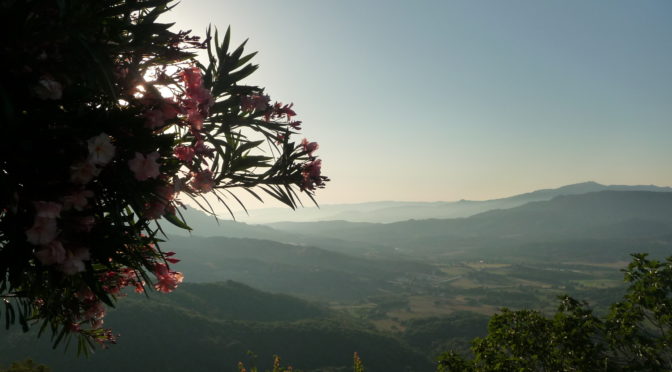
295,269
207,226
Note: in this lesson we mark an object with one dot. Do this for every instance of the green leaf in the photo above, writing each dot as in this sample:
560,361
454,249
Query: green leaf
60,336
245,162
227,40
177,221
249,146
9,314
235,56
242,74
245,59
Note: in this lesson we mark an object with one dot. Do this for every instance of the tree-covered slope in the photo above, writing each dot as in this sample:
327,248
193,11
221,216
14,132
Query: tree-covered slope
194,329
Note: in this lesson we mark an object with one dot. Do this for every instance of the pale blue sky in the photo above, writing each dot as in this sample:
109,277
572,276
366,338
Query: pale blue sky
444,100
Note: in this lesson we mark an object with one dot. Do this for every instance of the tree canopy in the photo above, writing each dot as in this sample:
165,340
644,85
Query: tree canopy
635,335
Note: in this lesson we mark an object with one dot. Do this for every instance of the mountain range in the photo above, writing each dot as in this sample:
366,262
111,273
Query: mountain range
395,211
569,222
635,220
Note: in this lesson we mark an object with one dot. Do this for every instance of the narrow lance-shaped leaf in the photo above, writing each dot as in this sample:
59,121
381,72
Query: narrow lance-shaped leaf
176,221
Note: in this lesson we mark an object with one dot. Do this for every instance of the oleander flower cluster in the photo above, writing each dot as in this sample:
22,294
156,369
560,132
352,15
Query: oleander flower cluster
109,125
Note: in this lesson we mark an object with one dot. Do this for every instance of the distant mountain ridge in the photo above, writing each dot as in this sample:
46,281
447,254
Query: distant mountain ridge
582,188
570,221
639,217
564,213
394,211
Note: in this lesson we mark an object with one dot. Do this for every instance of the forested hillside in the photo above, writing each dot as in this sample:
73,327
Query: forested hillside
211,327
299,270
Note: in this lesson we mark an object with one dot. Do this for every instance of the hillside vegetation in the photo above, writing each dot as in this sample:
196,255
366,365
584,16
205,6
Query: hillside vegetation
211,327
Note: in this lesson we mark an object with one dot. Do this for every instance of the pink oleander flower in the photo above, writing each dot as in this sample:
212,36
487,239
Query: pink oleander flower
95,310
139,287
43,231
204,99
161,269
82,173
200,148
194,81
154,210
51,254
77,200
194,113
47,209
165,193
313,169
195,119
184,153
311,175
280,111
309,147
115,280
166,280
144,167
155,119
254,102
49,89
192,78
101,150
74,261
199,99
161,205
95,314
203,181
167,284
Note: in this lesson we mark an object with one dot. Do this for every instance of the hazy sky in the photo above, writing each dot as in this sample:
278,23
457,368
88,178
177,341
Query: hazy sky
444,100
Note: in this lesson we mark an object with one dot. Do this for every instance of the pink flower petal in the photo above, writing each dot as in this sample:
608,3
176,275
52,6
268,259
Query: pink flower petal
144,167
